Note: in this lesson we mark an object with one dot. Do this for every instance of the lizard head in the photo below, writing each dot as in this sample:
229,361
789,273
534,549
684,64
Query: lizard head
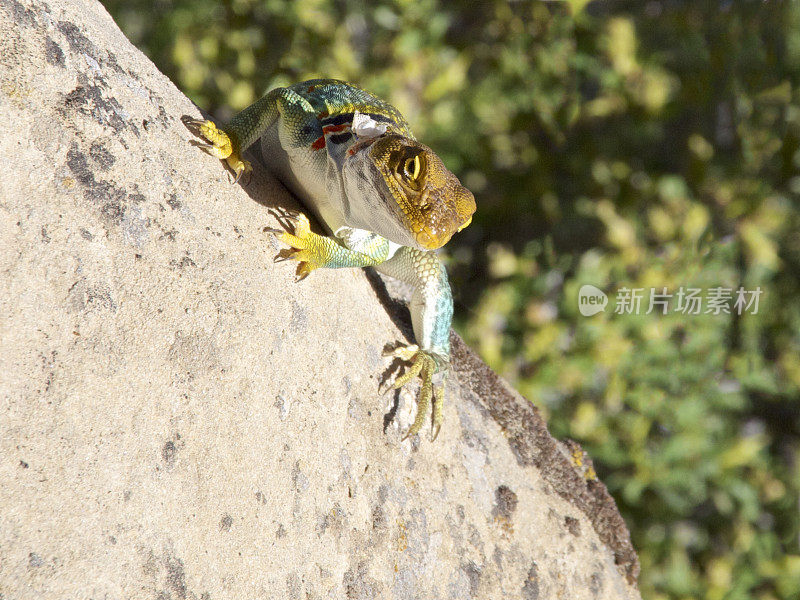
424,202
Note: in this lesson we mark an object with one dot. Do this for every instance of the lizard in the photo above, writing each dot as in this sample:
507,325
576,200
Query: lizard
387,200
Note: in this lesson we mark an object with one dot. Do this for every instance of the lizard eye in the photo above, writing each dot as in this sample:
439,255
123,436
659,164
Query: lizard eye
412,168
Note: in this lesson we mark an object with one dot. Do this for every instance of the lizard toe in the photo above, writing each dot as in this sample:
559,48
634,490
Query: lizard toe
309,249
423,364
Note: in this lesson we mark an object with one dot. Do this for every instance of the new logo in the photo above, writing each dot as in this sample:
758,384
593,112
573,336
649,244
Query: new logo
591,300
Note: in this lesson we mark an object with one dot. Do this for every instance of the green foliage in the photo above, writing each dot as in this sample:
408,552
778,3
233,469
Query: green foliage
622,144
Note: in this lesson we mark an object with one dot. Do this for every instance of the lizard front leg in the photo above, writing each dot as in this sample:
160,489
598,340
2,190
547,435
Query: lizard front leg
228,143
315,251
431,309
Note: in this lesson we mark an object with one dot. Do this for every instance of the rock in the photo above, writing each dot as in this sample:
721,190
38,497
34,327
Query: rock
179,419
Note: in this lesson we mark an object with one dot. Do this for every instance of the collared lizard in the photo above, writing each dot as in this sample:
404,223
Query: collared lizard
388,200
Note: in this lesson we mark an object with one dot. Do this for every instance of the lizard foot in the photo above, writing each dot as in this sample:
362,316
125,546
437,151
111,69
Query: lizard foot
422,364
311,250
219,145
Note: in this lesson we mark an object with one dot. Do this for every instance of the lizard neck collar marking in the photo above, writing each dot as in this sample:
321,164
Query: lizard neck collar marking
342,128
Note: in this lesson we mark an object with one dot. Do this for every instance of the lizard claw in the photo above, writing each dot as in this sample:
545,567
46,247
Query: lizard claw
284,217
423,364
247,168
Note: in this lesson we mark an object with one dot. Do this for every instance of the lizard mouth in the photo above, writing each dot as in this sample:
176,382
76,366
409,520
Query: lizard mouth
429,241
437,215
433,235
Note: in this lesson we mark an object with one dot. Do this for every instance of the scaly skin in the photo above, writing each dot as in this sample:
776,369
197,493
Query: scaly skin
387,200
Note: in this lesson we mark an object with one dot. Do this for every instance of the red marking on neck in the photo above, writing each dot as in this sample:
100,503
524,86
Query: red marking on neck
335,128
319,143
